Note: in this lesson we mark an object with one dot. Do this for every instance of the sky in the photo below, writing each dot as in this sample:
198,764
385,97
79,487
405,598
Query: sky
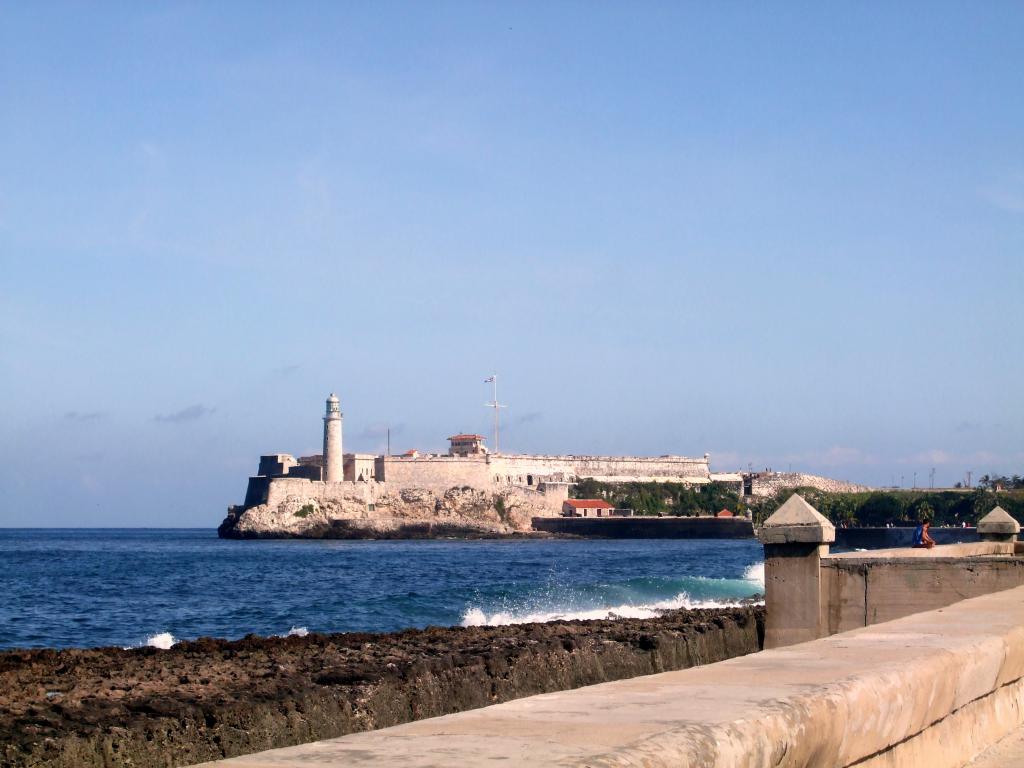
790,235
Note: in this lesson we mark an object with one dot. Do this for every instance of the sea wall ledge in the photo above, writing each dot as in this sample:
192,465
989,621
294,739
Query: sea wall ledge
935,688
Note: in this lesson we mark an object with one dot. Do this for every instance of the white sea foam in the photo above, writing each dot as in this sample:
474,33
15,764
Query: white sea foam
163,640
755,573
475,617
297,632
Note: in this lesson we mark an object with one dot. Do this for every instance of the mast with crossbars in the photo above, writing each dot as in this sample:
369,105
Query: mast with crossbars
493,379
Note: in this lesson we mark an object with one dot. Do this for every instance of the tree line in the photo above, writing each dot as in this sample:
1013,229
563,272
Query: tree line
898,507
863,509
654,498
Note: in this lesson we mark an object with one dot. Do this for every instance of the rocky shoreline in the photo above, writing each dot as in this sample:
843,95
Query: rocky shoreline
407,513
209,699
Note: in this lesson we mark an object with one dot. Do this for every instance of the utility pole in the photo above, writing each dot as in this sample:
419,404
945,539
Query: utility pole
493,379
915,479
931,477
389,441
969,473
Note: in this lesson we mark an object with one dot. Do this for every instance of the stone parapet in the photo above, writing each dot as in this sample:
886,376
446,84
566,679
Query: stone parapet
796,521
997,525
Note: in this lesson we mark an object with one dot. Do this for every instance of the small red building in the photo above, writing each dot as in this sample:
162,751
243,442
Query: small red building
586,508
724,513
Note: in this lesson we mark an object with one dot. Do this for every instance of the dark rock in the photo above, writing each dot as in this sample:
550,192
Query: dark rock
209,698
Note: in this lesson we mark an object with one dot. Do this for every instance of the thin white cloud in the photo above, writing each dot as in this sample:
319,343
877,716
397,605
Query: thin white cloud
86,416
191,413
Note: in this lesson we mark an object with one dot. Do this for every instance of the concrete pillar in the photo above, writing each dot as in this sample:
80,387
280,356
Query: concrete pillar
997,525
795,539
334,459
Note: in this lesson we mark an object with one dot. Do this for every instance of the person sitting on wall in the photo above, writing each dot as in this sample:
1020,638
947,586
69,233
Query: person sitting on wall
921,538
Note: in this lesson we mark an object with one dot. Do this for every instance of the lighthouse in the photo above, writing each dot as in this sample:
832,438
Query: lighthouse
333,460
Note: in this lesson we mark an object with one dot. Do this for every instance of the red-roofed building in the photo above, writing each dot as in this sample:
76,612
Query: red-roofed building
586,508
467,445
724,513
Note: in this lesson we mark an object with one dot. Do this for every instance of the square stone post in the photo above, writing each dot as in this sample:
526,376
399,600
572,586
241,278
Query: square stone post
998,525
795,539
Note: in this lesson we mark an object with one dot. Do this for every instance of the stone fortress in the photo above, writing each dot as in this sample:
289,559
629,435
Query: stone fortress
467,488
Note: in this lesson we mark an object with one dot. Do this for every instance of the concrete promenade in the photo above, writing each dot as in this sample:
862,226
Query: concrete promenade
935,688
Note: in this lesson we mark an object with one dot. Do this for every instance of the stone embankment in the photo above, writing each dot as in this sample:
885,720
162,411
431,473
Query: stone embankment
210,699
648,527
400,513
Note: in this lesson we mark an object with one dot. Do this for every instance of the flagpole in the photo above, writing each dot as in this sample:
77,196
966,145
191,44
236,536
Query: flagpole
493,381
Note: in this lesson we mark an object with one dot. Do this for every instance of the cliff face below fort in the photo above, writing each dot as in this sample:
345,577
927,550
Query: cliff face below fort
399,513
209,699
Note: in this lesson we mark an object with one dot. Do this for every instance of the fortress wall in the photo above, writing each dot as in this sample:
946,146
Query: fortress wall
519,466
550,499
515,469
768,484
436,472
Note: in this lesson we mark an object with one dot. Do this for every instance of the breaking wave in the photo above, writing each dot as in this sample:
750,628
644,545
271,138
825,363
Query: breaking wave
162,640
635,599
755,573
165,640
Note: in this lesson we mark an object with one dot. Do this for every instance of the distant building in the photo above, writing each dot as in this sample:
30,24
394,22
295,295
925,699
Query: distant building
276,464
586,508
360,467
724,513
467,445
309,467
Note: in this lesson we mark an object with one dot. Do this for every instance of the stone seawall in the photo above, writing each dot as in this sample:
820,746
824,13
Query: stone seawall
889,538
210,699
648,527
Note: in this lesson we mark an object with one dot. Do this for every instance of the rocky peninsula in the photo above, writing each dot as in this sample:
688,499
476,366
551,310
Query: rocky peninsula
404,513
210,699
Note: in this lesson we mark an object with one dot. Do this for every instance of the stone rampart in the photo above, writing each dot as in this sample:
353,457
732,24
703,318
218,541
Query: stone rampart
434,471
518,468
934,689
770,483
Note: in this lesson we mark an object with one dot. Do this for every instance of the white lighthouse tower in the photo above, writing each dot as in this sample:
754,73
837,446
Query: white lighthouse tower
334,462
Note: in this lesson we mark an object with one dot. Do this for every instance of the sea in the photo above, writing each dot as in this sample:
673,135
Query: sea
66,588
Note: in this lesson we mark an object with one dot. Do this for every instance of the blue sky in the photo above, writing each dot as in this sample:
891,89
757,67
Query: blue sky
785,234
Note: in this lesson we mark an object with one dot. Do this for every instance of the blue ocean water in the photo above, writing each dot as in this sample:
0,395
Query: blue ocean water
82,588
